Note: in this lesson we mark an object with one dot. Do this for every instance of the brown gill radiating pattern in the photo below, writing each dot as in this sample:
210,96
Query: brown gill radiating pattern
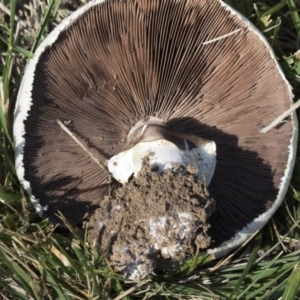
124,60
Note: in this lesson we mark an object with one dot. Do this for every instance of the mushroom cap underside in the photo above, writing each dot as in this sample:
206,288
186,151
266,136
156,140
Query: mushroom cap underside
197,65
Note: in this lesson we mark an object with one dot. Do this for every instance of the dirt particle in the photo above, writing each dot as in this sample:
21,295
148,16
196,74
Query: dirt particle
152,219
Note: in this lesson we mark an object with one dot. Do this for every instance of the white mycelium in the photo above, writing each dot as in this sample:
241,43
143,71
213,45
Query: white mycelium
179,231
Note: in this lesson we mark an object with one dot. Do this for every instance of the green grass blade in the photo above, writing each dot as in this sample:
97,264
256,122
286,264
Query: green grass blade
250,263
245,8
292,288
188,289
50,278
275,293
9,49
3,122
275,27
295,15
56,7
276,30
190,265
19,49
70,262
275,8
119,289
264,287
6,70
43,26
6,154
80,255
90,275
22,276
9,197
266,272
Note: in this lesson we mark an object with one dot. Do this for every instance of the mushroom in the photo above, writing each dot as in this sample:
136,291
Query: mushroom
124,74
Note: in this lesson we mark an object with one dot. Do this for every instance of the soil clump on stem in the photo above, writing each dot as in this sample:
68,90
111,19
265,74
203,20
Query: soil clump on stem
152,219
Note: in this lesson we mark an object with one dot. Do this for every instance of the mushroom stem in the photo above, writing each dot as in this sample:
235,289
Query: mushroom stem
165,148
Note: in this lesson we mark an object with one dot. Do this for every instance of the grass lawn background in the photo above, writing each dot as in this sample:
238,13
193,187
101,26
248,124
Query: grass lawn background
40,261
